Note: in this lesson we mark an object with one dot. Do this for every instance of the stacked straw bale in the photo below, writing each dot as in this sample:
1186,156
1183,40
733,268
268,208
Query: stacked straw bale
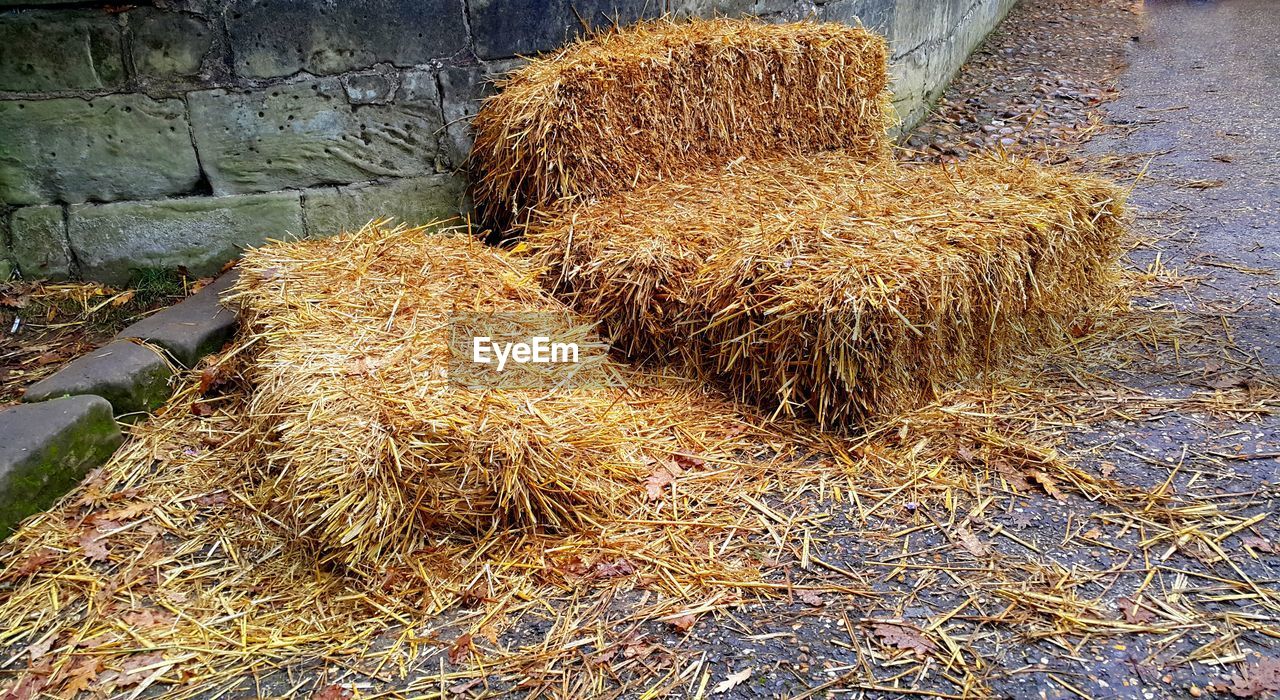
720,193
821,287
366,447
651,101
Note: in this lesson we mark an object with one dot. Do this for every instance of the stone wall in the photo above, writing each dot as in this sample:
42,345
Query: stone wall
175,134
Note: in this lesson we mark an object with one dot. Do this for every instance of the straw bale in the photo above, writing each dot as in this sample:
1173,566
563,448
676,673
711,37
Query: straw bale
633,106
366,444
819,286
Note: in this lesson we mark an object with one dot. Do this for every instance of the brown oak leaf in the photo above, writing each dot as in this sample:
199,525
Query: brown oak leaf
461,649
1261,544
41,647
1260,678
1016,478
811,597
659,480
138,668
970,541
33,563
1135,614
94,544
614,569
79,677
331,692
147,618
904,637
684,623
1048,484
687,461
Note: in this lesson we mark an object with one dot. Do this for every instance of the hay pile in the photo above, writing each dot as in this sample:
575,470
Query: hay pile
720,193
649,102
819,286
364,443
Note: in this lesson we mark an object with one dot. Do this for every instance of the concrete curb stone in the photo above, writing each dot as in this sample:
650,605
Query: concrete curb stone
46,448
192,328
48,444
132,377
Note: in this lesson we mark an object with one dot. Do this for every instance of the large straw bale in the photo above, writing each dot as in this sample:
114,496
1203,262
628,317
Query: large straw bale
648,102
367,446
820,286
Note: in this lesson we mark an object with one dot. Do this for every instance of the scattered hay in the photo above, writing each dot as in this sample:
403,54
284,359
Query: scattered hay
168,571
368,444
819,286
625,108
176,567
319,484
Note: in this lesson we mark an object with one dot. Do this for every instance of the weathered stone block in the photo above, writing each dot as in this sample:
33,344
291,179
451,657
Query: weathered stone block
730,8
107,148
374,87
272,39
59,50
917,24
192,328
47,448
503,28
411,200
462,88
930,42
132,377
6,269
199,233
40,243
308,134
169,45
876,15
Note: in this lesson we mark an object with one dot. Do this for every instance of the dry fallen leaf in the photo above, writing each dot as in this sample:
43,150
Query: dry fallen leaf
201,409
33,563
137,669
460,649
1021,519
1135,614
687,461
80,676
1259,543
614,569
52,357
460,688
970,541
733,680
684,623
94,545
1016,478
1048,484
14,302
657,482
129,512
904,637
147,618
40,648
211,378
1260,678
967,454
337,692
811,597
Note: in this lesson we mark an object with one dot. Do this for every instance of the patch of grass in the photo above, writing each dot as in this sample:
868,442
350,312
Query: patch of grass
152,284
